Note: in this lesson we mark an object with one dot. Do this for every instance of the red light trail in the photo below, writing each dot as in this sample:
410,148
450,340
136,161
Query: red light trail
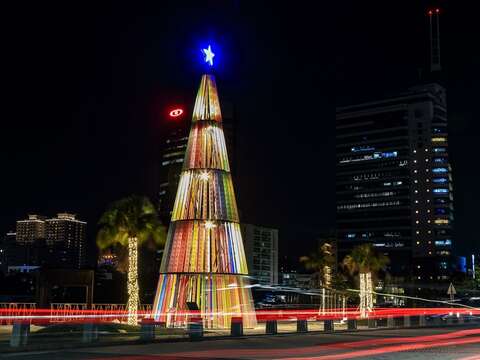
337,351
70,315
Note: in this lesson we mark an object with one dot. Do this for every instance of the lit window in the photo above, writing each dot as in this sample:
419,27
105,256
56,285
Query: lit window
439,170
439,139
441,221
362,148
440,180
446,242
440,191
439,150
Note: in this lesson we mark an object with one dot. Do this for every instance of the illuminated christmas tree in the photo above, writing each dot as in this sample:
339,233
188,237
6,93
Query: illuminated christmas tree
204,259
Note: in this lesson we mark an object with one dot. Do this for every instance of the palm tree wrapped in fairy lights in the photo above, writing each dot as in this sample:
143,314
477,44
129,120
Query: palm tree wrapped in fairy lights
130,222
365,261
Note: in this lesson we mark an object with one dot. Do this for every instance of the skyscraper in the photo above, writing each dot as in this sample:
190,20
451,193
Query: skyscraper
204,259
173,153
394,181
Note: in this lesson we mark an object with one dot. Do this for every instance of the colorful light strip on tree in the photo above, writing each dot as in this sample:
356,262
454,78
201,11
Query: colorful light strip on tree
200,248
202,197
206,147
220,296
204,259
207,105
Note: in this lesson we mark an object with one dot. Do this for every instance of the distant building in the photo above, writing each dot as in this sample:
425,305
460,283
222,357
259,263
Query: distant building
394,182
261,251
296,280
20,253
65,236
3,254
58,242
31,229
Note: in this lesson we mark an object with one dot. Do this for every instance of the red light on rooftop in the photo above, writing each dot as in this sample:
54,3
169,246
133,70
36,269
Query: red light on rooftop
430,12
437,10
175,113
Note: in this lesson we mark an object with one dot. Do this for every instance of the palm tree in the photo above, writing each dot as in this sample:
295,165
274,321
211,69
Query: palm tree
130,222
321,262
366,262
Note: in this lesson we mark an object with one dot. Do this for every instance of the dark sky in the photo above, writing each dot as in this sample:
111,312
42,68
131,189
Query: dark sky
86,85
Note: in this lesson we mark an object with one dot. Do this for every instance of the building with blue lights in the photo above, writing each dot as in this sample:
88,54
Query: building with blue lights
394,182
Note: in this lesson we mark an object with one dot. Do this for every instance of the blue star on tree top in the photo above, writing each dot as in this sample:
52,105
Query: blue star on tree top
208,55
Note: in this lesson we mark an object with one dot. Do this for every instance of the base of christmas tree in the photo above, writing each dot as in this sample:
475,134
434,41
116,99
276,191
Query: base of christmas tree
219,297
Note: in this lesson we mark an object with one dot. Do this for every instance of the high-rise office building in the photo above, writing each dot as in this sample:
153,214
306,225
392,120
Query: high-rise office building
261,251
65,237
171,167
394,181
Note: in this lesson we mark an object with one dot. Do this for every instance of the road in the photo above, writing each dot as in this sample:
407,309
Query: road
460,343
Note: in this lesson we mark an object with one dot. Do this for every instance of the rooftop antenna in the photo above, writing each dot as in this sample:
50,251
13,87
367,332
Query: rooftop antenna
434,24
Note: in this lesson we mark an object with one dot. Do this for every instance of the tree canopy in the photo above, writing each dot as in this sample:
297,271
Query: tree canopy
364,259
133,216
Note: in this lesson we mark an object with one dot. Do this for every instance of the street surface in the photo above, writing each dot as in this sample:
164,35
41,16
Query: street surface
460,343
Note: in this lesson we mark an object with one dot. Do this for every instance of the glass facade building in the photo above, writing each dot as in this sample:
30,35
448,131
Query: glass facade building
394,182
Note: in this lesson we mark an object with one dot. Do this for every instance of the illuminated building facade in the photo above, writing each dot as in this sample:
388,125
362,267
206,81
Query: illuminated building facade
204,259
31,229
261,250
65,238
58,242
171,167
394,182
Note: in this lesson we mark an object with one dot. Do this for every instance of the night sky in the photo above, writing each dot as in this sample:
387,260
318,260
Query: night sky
87,86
